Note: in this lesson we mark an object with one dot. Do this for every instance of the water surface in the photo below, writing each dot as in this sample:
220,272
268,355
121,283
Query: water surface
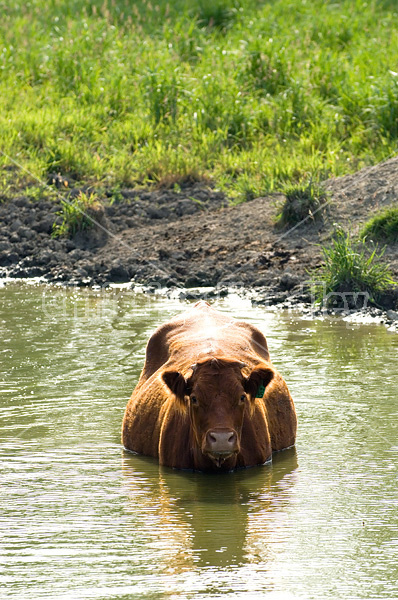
81,518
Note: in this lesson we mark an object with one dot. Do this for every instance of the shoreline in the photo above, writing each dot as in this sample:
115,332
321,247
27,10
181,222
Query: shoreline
367,315
191,237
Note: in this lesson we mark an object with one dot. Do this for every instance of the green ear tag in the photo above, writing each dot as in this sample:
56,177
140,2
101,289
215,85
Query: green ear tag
261,390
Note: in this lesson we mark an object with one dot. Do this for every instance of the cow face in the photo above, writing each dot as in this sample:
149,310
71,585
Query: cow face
217,394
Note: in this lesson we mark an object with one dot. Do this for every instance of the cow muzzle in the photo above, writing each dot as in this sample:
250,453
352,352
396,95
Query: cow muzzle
220,444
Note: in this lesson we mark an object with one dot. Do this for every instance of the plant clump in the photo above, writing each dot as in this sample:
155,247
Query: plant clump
383,226
351,275
303,202
77,215
220,14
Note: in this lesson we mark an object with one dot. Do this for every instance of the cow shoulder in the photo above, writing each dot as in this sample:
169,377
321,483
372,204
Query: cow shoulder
281,414
255,338
159,347
175,444
157,350
256,445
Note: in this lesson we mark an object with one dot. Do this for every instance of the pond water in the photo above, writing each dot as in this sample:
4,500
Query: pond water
81,518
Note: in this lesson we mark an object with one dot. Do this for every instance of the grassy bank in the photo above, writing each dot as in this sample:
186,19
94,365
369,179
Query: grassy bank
253,94
383,227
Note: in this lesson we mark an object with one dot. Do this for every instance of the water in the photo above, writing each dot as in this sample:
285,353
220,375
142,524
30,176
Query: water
81,518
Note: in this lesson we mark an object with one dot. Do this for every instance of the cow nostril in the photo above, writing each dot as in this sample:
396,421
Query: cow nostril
232,437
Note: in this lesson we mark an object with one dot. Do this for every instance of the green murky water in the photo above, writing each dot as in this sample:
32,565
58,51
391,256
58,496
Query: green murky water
80,518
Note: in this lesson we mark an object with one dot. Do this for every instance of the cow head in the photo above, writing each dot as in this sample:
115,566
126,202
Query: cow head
217,393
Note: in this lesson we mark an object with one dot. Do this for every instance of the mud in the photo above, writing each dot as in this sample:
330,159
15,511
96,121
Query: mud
192,237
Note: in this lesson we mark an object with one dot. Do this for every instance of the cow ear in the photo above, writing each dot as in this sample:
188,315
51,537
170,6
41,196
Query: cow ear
257,381
176,383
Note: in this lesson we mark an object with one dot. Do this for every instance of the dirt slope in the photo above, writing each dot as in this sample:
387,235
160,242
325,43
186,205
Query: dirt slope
191,237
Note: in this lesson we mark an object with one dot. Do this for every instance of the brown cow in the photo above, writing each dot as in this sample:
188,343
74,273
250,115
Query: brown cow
208,397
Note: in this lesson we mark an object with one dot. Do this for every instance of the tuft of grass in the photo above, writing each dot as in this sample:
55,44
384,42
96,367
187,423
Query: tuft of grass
217,14
303,201
350,269
77,215
266,70
383,226
162,92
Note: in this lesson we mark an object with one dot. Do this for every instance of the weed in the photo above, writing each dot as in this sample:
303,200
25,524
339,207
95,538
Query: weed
5,189
37,193
187,40
115,195
303,201
383,226
77,215
198,202
218,14
162,92
349,269
268,72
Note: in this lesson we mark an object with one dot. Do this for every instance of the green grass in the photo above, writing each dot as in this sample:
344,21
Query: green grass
76,215
383,226
350,268
251,94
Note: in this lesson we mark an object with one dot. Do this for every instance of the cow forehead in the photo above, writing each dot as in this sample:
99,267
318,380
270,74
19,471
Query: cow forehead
212,381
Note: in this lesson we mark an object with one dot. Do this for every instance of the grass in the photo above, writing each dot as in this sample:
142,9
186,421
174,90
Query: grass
251,94
350,273
77,215
382,227
303,201
218,14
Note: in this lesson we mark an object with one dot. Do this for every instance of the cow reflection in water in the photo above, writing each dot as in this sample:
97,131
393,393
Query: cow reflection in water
197,520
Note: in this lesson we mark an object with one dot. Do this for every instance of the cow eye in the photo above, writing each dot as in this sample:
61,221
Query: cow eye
243,397
194,400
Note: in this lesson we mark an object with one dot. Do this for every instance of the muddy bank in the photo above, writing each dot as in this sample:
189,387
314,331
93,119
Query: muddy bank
191,237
